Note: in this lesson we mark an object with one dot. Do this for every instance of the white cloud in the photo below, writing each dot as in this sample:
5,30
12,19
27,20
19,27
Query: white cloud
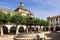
54,3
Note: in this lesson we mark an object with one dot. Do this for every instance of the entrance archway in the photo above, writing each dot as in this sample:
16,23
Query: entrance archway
43,28
28,28
36,28
47,28
13,30
51,28
21,29
57,28
5,30
32,28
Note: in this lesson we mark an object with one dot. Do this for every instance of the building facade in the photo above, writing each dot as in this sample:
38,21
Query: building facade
54,21
11,28
21,10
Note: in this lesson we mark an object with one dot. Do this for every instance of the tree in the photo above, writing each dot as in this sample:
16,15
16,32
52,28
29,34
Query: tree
35,21
8,18
2,20
16,19
45,23
24,20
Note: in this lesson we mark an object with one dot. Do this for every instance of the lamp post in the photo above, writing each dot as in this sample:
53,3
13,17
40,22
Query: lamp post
17,28
30,18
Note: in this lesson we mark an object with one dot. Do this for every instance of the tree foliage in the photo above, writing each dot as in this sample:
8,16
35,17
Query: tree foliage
19,19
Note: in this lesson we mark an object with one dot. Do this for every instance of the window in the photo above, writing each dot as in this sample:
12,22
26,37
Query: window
51,24
51,20
56,19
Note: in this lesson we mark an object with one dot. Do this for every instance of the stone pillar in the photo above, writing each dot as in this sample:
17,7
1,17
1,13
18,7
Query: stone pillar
1,31
8,31
54,24
50,22
58,21
17,30
27,29
35,28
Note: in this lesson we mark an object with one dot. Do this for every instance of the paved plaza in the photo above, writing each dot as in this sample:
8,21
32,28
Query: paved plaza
52,35
48,36
7,37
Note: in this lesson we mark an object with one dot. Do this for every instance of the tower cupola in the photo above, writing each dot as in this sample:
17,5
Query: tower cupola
21,4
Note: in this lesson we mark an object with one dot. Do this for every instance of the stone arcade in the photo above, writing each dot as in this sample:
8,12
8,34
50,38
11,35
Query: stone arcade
11,28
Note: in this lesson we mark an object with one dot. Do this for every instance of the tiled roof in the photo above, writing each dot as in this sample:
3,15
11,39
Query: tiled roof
58,16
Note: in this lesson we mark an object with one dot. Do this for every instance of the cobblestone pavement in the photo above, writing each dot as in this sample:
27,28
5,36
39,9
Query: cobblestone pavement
48,36
10,37
29,36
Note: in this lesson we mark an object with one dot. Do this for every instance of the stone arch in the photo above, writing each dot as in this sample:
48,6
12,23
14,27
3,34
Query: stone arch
32,28
36,28
51,28
47,28
43,28
5,29
13,30
21,29
57,28
28,28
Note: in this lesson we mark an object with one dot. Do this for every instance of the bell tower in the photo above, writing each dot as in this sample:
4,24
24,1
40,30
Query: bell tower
21,4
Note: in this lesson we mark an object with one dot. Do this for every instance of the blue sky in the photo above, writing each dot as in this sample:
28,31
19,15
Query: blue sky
40,8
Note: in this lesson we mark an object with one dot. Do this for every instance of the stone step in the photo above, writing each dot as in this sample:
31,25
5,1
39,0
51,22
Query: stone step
29,36
23,38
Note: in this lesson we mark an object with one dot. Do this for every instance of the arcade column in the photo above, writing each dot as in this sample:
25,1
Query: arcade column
27,29
1,31
17,30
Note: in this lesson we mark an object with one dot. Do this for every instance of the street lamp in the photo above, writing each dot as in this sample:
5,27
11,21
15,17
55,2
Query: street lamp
30,19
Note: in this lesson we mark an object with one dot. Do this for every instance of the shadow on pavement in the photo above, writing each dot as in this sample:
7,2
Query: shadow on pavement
53,35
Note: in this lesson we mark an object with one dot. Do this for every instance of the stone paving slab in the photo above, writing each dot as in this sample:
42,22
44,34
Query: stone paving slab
7,37
10,37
